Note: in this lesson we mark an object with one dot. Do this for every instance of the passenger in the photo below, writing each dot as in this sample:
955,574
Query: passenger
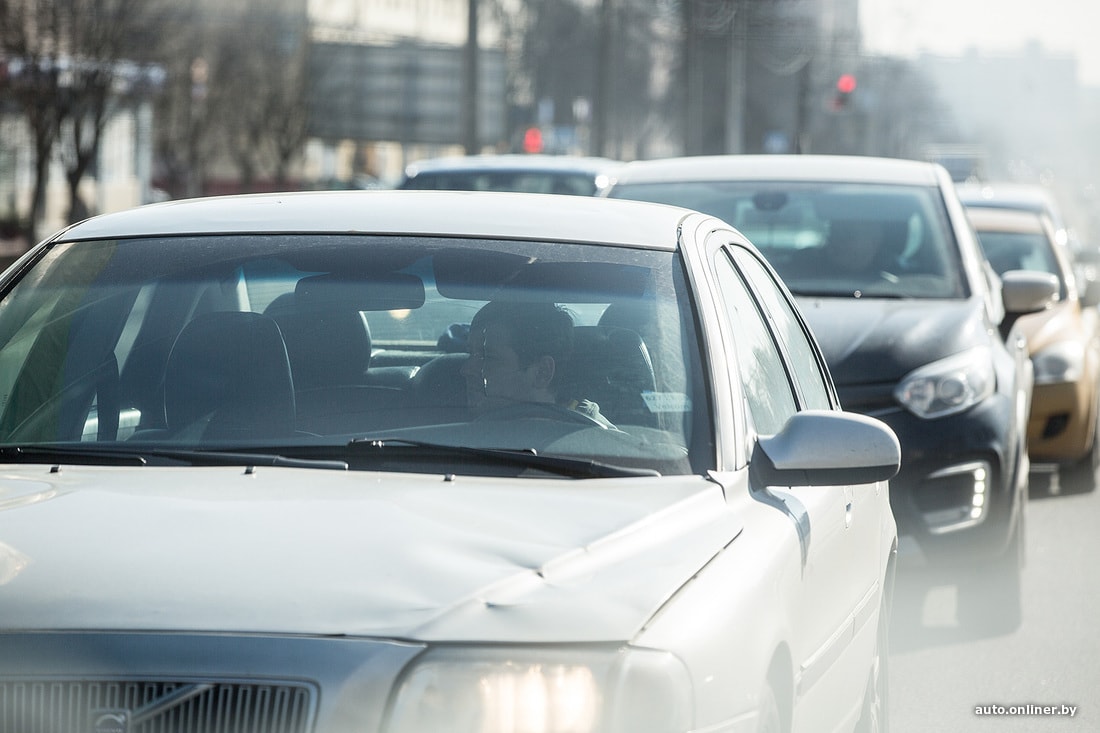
516,352
853,246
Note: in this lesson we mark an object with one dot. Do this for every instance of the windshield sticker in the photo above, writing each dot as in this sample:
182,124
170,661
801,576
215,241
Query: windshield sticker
666,401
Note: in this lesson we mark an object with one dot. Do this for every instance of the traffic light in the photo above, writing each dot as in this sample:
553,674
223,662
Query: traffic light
532,140
845,85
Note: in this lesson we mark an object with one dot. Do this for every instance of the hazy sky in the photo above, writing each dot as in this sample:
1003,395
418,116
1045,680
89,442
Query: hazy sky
951,27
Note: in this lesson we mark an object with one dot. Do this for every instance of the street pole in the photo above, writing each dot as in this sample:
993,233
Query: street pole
602,104
470,99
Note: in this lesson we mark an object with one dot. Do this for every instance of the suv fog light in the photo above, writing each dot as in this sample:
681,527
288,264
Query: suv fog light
955,497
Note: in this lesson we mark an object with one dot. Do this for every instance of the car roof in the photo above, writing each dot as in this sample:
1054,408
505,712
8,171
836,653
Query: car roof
512,162
428,213
1033,197
841,168
995,218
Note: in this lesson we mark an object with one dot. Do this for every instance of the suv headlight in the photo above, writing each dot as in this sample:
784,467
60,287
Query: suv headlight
1063,361
532,690
949,385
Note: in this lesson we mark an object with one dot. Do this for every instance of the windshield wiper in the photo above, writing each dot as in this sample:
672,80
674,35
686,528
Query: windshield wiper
144,456
82,456
524,458
391,448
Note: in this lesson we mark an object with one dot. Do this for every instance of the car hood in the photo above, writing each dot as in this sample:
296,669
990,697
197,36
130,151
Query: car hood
1060,322
282,550
877,340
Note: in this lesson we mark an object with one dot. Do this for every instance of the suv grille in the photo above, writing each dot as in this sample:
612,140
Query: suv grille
82,706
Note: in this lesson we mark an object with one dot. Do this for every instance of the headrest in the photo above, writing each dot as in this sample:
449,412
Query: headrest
228,377
328,342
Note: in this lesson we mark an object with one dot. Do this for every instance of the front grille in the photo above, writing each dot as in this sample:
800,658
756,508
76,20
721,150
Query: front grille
82,706
868,399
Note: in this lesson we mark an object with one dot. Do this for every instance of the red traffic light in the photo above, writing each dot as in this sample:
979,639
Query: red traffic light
532,140
846,84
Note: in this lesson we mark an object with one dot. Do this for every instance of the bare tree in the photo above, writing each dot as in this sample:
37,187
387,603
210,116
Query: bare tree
272,82
182,143
68,60
236,93
108,40
34,82
605,53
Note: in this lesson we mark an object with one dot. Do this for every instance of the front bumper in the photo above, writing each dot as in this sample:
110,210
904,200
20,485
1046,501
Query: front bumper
196,682
962,481
1060,427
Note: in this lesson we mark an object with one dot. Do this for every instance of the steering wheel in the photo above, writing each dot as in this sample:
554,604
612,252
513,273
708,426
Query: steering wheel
543,410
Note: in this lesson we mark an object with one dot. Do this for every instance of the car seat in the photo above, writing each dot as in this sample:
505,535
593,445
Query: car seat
228,378
610,366
329,345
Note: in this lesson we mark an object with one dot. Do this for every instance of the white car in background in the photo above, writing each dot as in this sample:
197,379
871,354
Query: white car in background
572,175
244,488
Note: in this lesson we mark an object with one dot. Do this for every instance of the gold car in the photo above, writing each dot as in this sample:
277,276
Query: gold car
1064,341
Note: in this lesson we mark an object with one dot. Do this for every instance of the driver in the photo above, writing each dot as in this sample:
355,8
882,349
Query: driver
853,246
516,349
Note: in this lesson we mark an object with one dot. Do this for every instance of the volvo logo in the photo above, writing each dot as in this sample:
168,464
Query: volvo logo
123,720
111,721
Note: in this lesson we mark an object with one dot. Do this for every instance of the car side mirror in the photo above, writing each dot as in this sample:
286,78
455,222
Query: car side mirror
827,448
1027,291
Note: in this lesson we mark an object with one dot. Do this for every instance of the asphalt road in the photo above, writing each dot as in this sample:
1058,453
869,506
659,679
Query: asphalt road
1025,680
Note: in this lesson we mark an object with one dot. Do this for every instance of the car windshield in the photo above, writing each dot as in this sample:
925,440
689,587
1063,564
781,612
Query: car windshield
249,341
833,239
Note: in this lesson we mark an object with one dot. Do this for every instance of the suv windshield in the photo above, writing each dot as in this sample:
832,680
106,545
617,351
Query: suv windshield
283,341
833,239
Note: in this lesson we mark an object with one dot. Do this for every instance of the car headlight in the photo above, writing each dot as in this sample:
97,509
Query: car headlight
531,690
949,385
1060,362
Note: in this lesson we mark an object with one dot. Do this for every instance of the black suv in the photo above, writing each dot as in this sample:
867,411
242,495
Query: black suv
916,327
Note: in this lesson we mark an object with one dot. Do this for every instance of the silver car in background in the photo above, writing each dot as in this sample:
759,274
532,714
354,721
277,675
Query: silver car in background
573,175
